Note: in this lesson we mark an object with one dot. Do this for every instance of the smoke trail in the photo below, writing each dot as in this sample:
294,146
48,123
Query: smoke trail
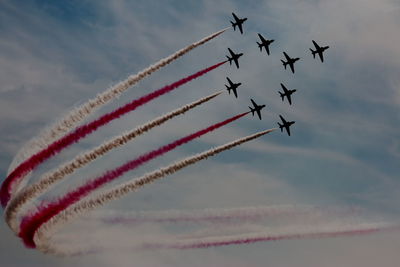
42,234
34,190
17,175
243,214
267,237
207,215
78,114
30,223
183,243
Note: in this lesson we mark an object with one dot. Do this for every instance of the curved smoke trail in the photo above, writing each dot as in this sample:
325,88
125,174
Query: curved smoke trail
78,114
15,177
45,182
32,222
44,232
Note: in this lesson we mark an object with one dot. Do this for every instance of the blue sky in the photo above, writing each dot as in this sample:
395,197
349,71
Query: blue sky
345,147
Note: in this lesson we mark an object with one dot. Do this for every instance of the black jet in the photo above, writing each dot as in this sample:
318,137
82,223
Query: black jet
257,108
319,50
264,43
289,61
232,86
238,22
287,93
285,124
234,57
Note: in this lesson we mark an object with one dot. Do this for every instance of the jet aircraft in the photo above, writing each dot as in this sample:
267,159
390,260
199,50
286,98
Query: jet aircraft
232,86
287,93
289,61
256,108
264,43
285,124
234,57
238,22
319,50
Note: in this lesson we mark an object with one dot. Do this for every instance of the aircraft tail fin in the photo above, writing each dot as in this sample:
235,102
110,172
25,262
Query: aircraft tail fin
280,126
233,25
252,110
284,63
259,46
282,95
313,52
230,60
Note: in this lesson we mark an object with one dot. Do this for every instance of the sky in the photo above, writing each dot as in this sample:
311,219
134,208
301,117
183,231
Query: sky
345,145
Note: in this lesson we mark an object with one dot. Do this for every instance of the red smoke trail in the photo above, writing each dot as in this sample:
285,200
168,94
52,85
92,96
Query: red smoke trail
31,223
28,165
254,239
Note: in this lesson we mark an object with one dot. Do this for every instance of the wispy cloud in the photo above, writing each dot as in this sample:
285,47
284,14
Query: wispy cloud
346,110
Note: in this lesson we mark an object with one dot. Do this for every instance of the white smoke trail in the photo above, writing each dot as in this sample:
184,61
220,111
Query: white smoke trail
81,160
78,114
235,215
42,235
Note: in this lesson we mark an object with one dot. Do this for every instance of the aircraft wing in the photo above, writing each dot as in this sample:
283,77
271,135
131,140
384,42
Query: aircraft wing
234,92
236,62
282,119
291,66
267,49
240,28
289,98
254,103
287,130
316,45
284,88
321,56
286,56
259,113
235,17
229,81
261,37
230,51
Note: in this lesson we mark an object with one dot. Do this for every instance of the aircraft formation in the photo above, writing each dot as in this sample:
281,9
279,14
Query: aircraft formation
265,43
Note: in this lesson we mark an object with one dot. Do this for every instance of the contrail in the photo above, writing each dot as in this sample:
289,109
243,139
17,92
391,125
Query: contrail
45,182
267,237
32,222
43,233
78,114
17,175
